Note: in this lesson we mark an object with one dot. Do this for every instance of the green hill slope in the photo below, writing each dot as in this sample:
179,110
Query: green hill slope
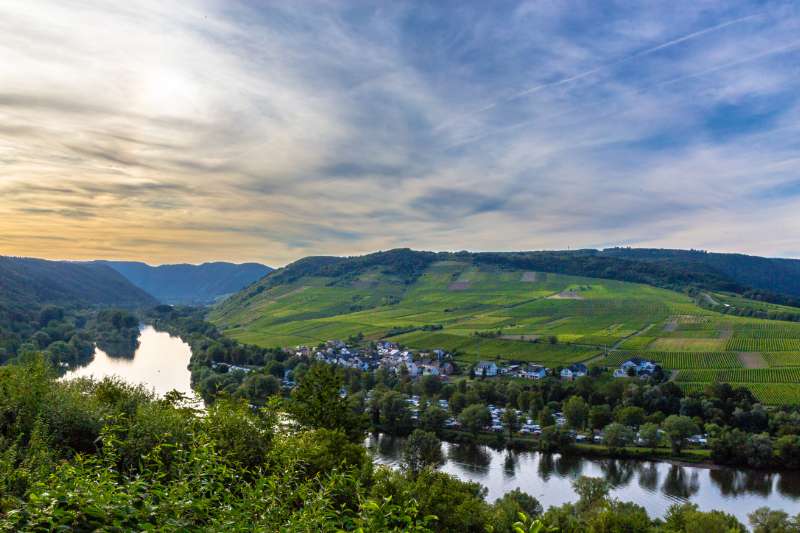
492,309
445,300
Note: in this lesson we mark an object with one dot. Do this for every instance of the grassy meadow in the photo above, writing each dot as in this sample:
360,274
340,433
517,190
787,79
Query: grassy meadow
538,317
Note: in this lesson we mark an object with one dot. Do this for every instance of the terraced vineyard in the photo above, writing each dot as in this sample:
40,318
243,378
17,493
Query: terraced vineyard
741,375
745,344
481,312
782,358
680,360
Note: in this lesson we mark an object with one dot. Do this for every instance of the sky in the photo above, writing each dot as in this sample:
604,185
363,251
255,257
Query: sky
268,131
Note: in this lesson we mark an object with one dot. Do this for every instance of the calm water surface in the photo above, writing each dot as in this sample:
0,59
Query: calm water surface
653,485
160,364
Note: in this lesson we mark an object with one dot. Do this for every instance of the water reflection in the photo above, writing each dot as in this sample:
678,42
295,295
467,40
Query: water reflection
568,465
159,363
472,458
789,486
681,483
547,465
510,463
648,476
618,472
654,485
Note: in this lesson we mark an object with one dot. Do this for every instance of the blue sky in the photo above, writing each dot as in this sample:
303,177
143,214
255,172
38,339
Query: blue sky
273,130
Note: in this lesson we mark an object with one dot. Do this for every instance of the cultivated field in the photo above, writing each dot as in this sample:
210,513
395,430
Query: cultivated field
526,316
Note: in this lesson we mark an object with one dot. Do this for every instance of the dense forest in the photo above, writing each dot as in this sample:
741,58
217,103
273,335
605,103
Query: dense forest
768,275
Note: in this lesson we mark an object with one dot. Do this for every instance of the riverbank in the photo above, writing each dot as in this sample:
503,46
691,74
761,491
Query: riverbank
655,482
499,441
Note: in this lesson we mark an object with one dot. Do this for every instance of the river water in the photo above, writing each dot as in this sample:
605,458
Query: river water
653,485
160,364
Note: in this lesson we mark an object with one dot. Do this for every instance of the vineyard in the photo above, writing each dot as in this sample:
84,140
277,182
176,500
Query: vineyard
767,393
488,313
742,375
678,360
766,344
782,358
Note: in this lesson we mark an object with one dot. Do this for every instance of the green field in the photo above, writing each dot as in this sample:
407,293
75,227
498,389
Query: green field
553,319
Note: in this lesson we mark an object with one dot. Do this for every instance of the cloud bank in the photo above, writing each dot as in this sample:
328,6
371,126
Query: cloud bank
199,130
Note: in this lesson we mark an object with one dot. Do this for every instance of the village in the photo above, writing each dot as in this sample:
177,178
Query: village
439,363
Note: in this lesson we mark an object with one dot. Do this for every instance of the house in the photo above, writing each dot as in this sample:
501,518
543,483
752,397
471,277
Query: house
578,370
486,368
635,367
413,369
535,372
430,370
574,371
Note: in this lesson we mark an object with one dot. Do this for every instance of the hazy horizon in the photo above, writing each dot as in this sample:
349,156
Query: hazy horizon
265,132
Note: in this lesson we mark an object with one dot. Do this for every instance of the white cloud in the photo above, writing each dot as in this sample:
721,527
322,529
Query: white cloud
213,129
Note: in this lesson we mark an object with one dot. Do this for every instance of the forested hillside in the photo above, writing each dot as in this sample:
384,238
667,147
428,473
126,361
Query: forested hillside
781,276
35,282
52,307
190,284
775,280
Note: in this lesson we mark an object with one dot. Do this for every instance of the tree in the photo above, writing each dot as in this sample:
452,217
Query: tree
616,436
765,520
395,417
430,385
546,417
433,418
649,435
679,428
759,450
787,451
423,449
631,416
511,421
474,418
576,411
554,439
317,402
508,508
687,518
592,493
457,402
257,387
599,416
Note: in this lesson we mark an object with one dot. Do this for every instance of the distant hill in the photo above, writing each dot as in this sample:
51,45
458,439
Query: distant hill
315,291
34,282
29,285
190,284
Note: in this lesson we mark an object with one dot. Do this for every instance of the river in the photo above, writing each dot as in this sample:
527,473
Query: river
653,485
160,364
